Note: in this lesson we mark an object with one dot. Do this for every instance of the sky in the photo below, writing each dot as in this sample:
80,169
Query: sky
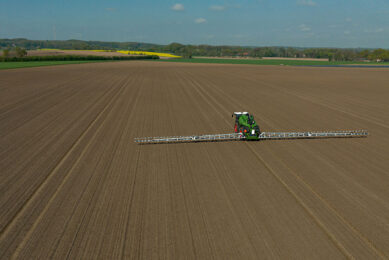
298,23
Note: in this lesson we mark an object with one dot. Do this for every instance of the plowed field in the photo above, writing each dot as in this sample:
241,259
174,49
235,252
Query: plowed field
73,184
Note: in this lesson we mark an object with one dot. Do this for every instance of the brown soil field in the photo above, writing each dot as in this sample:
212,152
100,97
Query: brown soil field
263,58
73,184
282,58
72,52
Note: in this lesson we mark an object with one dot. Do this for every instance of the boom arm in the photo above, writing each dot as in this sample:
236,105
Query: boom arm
262,136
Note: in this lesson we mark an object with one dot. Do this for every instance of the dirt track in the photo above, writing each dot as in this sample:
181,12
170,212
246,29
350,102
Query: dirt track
73,184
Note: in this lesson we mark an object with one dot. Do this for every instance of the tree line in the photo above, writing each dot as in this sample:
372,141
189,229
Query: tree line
332,54
187,51
14,52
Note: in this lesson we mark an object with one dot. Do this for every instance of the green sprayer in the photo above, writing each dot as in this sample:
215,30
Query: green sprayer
246,128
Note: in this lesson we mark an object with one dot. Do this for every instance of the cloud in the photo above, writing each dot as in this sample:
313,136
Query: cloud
347,32
200,20
306,2
304,28
348,19
178,7
217,7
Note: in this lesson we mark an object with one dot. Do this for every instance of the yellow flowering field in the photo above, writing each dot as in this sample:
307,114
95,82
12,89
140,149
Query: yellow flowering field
167,55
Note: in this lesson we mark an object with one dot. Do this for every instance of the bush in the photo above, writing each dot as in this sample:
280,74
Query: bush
20,52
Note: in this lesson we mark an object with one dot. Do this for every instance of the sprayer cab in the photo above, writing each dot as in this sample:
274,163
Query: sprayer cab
245,124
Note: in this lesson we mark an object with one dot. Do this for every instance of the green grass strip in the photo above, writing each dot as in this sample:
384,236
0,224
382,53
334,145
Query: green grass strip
29,64
273,62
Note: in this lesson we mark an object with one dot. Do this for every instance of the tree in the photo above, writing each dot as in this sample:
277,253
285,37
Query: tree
20,52
379,55
364,54
338,56
330,56
5,53
187,55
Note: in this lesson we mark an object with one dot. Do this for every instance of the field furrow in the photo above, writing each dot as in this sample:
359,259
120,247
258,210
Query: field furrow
74,184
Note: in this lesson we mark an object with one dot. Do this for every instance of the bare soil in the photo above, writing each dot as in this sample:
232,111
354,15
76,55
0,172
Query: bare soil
284,58
263,58
72,52
73,184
